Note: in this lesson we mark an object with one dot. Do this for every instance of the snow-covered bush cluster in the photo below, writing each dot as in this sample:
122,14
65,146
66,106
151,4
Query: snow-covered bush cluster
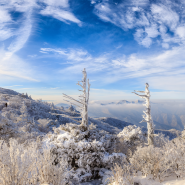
26,165
86,151
130,138
161,162
121,175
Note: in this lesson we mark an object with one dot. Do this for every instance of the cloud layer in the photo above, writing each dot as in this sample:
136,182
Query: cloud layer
161,22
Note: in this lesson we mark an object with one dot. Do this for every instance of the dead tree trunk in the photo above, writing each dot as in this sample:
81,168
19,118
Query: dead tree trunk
147,114
83,101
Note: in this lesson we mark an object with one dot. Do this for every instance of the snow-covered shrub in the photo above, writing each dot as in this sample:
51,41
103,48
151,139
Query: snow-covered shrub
130,138
174,152
24,118
121,175
47,171
148,160
161,162
17,164
86,151
15,101
26,164
46,125
160,140
7,128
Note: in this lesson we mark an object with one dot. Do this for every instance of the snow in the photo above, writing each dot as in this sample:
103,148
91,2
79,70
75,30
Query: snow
145,181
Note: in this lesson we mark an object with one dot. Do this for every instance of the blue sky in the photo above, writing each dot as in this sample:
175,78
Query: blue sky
45,44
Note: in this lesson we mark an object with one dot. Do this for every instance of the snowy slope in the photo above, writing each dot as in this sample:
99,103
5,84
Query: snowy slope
45,116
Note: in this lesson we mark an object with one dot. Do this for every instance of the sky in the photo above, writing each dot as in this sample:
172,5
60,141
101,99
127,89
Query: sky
45,45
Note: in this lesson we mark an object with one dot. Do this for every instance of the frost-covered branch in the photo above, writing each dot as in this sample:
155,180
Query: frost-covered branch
83,99
147,114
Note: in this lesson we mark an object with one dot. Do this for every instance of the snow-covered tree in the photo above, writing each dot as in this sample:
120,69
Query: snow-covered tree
82,103
24,117
147,114
71,108
130,138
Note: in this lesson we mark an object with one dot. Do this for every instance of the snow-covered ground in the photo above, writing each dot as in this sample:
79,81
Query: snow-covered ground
168,181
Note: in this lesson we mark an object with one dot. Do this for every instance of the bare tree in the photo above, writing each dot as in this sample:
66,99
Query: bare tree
147,114
83,100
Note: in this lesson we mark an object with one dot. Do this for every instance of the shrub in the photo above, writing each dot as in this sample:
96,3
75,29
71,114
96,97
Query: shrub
121,175
86,151
26,165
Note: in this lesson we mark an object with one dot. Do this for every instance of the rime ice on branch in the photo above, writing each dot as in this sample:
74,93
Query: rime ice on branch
82,103
147,114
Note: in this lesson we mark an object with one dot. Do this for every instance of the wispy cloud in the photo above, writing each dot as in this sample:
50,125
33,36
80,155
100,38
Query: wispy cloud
161,21
70,54
110,69
22,36
12,86
5,20
59,10
14,67
77,59
54,88
19,29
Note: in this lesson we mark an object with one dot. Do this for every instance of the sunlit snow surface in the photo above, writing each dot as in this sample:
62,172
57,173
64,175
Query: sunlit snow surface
168,181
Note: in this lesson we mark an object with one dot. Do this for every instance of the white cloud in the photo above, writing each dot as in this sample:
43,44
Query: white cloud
59,10
167,65
22,36
15,68
152,31
70,54
165,45
20,29
165,15
93,2
4,16
180,31
171,82
62,3
77,59
140,2
5,19
151,20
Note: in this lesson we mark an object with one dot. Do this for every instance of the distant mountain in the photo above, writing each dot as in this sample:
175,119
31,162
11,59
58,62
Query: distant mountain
62,105
123,102
114,122
165,114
